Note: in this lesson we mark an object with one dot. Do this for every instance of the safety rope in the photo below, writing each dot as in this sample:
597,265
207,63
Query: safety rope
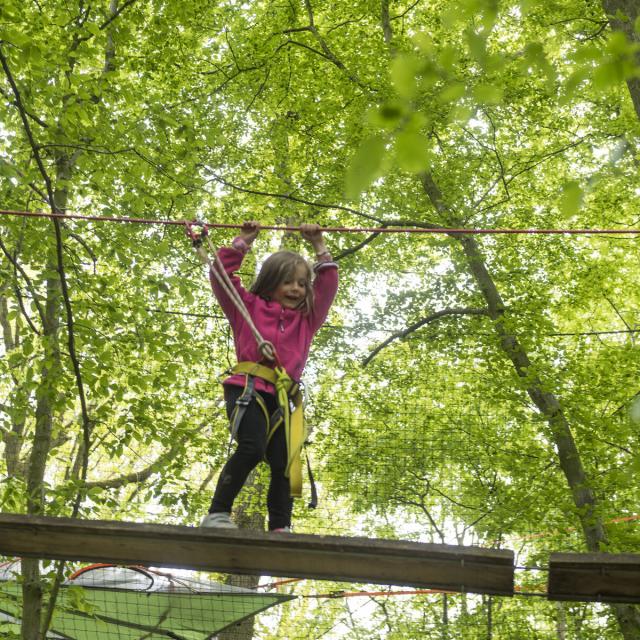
265,348
386,229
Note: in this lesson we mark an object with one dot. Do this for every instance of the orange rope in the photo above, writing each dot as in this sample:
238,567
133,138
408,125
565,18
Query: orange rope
389,229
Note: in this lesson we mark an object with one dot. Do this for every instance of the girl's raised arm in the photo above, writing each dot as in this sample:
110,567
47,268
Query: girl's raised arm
231,258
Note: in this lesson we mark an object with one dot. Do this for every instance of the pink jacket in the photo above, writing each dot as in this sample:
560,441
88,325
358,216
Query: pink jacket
290,331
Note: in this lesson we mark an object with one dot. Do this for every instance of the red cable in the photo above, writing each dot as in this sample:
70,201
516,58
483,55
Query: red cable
443,230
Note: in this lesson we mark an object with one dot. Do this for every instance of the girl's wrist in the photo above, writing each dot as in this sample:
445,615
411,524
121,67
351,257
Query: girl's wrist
241,244
320,249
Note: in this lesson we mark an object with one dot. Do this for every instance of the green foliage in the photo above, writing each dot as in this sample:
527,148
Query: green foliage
519,114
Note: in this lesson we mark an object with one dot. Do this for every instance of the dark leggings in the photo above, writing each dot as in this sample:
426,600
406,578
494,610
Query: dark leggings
252,448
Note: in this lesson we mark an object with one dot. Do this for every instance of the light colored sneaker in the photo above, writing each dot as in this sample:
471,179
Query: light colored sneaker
281,530
219,521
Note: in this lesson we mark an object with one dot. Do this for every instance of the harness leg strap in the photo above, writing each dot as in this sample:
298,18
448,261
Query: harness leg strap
240,409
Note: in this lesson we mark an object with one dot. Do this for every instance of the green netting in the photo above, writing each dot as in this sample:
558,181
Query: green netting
165,607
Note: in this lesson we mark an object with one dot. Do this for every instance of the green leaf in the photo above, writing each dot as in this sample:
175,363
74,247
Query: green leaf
404,71
571,198
412,151
388,116
364,167
14,37
452,92
477,44
487,94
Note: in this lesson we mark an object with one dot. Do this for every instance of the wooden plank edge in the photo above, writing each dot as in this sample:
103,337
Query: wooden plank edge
594,577
491,570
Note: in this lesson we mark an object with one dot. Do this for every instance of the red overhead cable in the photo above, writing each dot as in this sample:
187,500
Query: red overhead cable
390,229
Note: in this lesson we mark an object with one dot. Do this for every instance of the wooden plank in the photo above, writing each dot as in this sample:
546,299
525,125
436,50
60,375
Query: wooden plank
594,577
392,562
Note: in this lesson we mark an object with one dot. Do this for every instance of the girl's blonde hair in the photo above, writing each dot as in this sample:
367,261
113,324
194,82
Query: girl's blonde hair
276,269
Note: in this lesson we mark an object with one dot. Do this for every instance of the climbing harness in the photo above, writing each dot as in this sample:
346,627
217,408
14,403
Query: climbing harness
289,414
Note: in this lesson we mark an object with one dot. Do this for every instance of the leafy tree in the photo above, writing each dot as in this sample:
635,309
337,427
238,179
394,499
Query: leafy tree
463,389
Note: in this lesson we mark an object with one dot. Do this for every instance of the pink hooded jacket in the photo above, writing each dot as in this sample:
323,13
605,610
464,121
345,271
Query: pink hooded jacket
290,331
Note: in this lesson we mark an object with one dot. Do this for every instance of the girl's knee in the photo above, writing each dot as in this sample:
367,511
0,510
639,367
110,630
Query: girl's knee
251,452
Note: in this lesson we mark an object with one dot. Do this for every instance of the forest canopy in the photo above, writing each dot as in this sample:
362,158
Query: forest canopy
466,389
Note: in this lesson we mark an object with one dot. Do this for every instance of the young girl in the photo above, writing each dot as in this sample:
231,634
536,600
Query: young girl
287,307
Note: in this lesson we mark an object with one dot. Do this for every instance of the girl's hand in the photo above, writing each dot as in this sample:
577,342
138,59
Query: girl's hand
249,231
313,233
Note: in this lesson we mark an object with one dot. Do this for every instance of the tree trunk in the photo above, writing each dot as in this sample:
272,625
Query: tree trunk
45,399
622,16
247,516
13,438
46,395
546,402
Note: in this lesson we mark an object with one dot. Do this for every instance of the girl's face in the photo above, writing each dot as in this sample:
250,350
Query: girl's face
291,292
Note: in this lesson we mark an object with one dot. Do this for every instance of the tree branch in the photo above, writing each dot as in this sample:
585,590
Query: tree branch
27,128
21,174
21,271
327,51
456,311
35,118
143,474
105,24
284,196
63,167
360,245
404,13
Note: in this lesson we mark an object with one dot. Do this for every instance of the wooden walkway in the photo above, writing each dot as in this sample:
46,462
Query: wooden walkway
594,577
392,562
577,577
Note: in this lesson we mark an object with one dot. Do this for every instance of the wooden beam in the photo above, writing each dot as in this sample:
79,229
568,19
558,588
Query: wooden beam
392,562
594,577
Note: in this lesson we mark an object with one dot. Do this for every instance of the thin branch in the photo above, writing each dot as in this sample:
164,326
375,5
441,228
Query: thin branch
308,48
494,148
594,333
327,51
143,474
260,89
60,265
404,13
27,128
284,196
35,118
364,243
21,271
294,30
80,240
115,14
21,174
105,24
345,22
613,306
456,311
528,166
